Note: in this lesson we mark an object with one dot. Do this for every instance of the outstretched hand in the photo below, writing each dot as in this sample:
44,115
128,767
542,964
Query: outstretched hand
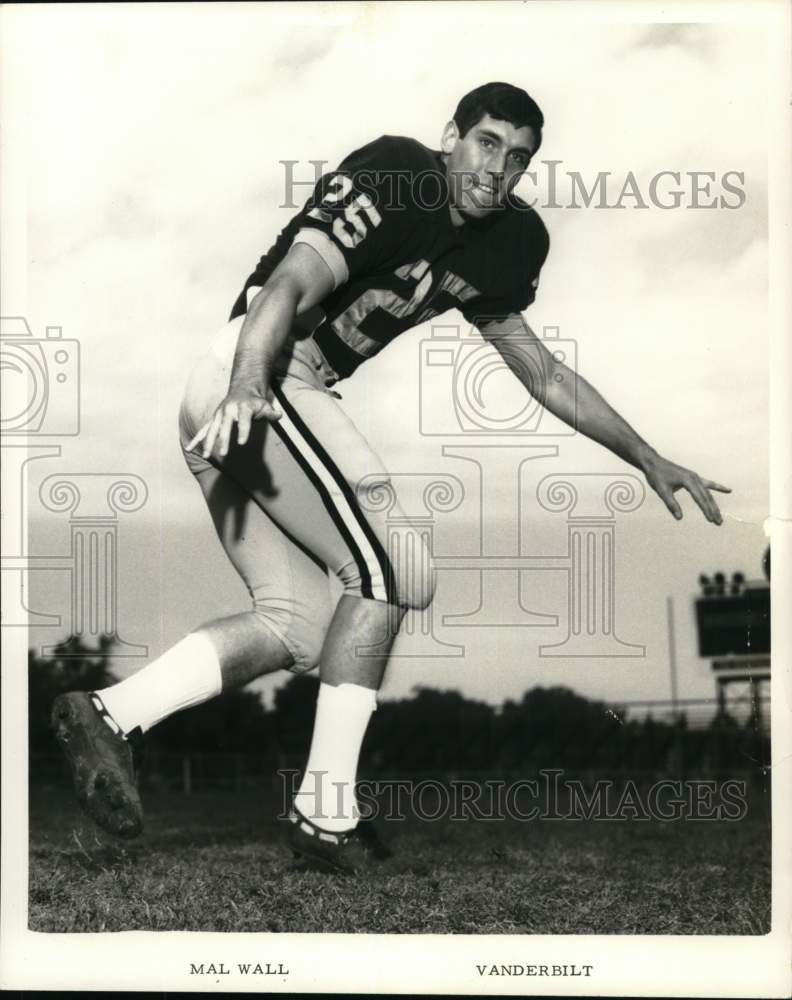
666,478
240,406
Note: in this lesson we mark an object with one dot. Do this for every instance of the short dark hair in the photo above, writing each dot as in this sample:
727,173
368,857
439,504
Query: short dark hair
502,101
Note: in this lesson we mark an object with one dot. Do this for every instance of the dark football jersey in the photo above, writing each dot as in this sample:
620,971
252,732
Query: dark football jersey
382,224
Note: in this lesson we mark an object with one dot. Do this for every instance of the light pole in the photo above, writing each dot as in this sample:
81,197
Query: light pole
672,666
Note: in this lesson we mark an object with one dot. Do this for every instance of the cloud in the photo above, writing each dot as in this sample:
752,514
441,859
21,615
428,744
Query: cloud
302,48
695,38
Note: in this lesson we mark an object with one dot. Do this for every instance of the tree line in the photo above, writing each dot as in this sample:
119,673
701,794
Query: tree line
431,731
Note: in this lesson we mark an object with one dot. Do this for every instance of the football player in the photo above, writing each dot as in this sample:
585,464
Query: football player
398,234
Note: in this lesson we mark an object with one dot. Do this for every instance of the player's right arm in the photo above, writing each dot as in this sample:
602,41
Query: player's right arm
345,228
300,282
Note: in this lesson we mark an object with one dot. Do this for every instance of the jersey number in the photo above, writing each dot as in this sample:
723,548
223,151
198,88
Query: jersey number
347,325
349,229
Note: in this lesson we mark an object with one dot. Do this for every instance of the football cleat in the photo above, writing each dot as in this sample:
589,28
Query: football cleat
103,762
369,835
347,852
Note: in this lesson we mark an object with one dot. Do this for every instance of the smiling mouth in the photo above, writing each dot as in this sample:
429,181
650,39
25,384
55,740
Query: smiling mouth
480,197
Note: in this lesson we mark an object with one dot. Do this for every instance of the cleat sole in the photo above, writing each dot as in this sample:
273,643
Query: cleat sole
106,793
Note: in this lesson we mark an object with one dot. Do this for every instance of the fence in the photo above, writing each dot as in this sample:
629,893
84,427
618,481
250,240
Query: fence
695,743
700,713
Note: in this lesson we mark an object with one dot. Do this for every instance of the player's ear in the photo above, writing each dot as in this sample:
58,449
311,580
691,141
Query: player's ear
450,136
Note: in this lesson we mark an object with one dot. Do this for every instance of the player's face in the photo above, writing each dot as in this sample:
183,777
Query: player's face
485,164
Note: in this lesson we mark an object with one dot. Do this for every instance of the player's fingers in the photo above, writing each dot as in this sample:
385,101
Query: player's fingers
211,436
199,436
270,411
224,435
669,500
716,486
704,500
269,408
717,516
246,414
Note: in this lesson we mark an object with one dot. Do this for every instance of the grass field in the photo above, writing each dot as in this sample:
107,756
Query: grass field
216,862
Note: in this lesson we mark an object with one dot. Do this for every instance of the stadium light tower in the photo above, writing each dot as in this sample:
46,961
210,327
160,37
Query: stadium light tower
734,633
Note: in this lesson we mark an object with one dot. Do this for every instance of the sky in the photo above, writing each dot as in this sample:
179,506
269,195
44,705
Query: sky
155,140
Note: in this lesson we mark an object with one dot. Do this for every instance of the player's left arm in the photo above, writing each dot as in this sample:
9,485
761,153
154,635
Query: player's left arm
577,403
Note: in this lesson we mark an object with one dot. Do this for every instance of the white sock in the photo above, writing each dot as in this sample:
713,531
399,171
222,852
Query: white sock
327,793
187,674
